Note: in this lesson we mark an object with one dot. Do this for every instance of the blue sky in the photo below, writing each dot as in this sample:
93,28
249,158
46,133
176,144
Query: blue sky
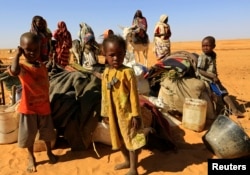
190,20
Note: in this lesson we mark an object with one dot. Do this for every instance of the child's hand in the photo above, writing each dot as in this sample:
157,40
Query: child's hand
136,122
215,79
19,51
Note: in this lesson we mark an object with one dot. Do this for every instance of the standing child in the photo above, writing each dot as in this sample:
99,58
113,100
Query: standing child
120,103
207,71
34,105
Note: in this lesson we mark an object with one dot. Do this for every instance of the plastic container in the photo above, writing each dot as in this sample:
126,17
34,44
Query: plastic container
194,114
226,139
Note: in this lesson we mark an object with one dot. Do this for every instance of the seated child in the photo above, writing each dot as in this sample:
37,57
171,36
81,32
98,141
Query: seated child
207,71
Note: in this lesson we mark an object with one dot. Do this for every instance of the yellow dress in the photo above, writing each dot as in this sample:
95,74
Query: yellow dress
120,102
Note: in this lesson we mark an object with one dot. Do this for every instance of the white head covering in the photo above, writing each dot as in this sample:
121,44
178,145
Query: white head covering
163,17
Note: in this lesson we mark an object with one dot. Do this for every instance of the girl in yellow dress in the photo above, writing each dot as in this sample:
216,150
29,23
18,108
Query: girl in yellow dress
120,104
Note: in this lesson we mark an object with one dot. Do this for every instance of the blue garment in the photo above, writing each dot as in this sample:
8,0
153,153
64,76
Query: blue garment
217,89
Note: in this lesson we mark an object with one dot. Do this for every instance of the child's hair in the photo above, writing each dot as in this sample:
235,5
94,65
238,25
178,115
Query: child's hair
115,39
31,36
211,39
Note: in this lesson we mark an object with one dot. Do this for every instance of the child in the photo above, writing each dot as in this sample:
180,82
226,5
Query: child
120,103
207,71
34,105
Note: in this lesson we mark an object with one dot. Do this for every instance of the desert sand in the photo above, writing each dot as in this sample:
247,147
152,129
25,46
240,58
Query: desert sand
191,158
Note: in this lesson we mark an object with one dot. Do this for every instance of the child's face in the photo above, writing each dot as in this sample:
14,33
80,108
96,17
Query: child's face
31,50
207,46
114,54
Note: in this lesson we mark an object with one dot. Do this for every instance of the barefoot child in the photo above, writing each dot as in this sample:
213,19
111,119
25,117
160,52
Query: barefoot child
207,71
34,105
120,103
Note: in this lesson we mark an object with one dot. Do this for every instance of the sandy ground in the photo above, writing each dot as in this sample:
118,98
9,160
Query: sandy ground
191,158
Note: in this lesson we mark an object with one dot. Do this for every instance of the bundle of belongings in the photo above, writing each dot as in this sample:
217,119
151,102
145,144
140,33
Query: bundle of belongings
75,96
75,102
140,71
173,79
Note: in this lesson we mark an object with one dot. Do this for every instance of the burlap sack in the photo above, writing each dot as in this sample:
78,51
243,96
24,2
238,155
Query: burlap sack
174,93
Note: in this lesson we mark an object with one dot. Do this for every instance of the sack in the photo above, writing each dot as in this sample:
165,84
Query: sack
174,93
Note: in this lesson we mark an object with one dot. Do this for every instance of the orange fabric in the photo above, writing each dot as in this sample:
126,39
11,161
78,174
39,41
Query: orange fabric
35,90
107,33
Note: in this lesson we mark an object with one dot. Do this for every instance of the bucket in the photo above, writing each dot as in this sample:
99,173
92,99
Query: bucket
194,114
226,139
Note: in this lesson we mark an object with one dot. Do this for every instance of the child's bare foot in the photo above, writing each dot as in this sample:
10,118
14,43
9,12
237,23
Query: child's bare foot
52,158
132,172
31,165
122,166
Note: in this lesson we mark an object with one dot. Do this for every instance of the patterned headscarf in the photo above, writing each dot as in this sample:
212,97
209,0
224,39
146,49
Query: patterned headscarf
62,35
88,37
62,28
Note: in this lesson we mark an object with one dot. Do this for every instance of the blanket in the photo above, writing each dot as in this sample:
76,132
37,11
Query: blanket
75,102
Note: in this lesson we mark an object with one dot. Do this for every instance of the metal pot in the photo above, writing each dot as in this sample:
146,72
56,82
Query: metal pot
226,139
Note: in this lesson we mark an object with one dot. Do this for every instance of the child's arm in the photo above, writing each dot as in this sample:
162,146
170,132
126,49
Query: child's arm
209,75
136,122
15,67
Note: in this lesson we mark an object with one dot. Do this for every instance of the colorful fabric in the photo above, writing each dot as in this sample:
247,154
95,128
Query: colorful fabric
140,23
35,89
88,37
179,64
176,67
120,102
63,44
84,29
162,33
162,28
161,48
